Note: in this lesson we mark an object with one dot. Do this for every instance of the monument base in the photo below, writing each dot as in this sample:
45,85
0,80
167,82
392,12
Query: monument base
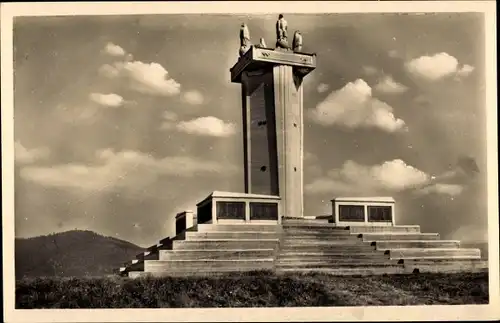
216,247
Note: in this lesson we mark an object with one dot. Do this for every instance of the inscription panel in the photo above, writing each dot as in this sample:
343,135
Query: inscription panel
352,213
263,211
230,210
379,214
278,56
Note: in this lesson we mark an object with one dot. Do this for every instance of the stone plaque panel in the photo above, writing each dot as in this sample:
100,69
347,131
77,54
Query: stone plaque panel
263,211
379,214
230,210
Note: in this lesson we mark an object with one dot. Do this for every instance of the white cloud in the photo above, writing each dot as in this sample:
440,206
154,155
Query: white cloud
308,156
127,169
207,126
433,67
322,87
353,178
81,114
193,97
108,71
108,100
393,53
24,155
389,86
170,116
114,50
169,119
353,107
440,188
465,70
370,70
148,78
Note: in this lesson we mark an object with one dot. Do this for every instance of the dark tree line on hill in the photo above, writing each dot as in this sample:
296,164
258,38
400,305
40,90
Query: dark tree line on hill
72,253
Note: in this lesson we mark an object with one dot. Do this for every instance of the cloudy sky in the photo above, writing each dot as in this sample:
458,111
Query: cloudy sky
120,122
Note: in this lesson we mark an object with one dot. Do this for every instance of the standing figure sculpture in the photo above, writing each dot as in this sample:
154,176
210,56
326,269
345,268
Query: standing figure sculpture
244,39
282,33
262,43
297,42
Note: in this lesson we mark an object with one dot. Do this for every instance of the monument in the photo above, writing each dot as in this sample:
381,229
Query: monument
272,103
265,227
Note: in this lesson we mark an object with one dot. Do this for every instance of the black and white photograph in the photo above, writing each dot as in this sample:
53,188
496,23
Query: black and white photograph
262,161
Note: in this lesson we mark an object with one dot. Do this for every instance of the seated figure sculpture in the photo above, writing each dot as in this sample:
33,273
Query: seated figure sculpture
262,43
282,33
297,42
245,43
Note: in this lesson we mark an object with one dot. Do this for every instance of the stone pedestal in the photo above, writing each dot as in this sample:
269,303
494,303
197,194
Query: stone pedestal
273,123
229,207
371,211
184,220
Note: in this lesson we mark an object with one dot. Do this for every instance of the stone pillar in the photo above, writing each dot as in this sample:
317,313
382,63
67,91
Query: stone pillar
289,138
273,135
183,221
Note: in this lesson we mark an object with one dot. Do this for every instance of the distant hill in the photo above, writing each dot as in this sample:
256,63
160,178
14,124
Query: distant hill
71,253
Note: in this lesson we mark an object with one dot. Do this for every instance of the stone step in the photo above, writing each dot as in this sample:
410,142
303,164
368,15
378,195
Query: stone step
320,231
326,264
150,255
326,248
450,266
313,225
195,272
317,242
136,274
225,244
166,241
286,220
232,235
217,254
432,253
326,237
466,260
363,271
209,265
238,227
370,237
160,246
300,262
380,229
137,265
332,255
398,244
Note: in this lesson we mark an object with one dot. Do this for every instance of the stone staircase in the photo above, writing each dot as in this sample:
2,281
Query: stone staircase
300,245
210,249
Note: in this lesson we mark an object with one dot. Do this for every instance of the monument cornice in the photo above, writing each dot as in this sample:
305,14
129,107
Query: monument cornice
258,58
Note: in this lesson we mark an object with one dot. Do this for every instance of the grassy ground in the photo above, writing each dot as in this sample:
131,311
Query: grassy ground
258,289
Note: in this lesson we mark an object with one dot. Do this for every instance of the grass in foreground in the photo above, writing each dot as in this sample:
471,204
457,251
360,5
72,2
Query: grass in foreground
257,289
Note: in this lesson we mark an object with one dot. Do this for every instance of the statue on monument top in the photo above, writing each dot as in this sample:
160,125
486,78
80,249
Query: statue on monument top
282,33
262,43
245,43
297,42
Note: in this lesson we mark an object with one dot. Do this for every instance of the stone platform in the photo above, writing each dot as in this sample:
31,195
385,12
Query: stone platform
303,245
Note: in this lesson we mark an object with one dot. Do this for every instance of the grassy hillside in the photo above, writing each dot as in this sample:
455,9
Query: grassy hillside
259,289
72,253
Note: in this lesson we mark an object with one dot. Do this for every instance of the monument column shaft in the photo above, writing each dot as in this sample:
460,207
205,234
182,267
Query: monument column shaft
289,137
273,135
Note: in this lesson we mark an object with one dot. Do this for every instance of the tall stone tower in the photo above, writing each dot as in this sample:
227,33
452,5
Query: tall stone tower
273,137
